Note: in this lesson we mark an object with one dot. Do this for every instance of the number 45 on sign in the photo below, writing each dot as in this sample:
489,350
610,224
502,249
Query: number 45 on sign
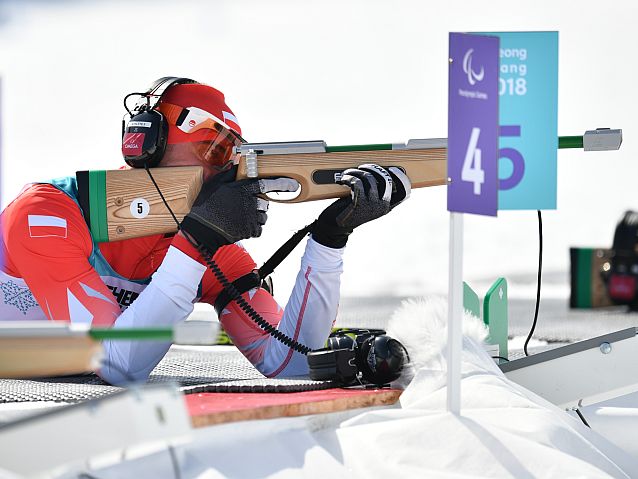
472,172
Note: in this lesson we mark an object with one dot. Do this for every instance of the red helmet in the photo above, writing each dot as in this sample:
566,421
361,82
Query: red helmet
198,114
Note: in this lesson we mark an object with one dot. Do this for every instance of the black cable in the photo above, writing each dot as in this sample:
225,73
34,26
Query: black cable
243,304
501,358
538,280
161,195
176,470
233,292
130,95
582,418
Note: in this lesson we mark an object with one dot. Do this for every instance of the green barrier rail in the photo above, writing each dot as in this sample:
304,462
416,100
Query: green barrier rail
137,334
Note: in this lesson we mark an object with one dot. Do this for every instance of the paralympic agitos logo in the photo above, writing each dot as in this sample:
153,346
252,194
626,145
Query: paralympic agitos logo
472,76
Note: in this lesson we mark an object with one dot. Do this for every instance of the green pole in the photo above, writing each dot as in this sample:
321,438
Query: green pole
137,334
570,142
375,147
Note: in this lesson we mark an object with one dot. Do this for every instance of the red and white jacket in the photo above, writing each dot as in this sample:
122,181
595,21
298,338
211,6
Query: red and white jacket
54,270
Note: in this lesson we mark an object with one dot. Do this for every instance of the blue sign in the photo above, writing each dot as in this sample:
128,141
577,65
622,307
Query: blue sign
473,124
528,89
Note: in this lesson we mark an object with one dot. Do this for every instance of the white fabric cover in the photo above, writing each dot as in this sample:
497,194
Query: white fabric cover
503,430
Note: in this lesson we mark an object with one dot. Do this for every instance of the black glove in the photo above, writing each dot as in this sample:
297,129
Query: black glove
227,211
374,192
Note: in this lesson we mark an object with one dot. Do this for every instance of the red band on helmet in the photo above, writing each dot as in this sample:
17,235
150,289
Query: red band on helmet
201,96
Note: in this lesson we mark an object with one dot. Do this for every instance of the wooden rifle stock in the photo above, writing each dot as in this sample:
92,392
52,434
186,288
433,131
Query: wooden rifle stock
123,204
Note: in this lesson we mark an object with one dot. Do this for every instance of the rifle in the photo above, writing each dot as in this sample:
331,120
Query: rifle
122,204
317,166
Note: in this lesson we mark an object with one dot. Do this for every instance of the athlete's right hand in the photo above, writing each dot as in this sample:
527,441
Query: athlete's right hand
227,211
374,192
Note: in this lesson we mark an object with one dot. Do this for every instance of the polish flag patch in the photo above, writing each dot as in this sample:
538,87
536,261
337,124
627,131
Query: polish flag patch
42,226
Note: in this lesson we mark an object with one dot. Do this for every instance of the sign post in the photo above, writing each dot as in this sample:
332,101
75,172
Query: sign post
455,314
471,169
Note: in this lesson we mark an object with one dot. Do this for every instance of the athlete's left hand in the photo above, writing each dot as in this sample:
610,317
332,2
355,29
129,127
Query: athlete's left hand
227,211
374,192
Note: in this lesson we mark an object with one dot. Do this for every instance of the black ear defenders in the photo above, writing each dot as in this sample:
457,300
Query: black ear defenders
144,136
360,356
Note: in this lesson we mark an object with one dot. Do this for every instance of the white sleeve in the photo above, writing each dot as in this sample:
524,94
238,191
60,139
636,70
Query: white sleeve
310,312
167,300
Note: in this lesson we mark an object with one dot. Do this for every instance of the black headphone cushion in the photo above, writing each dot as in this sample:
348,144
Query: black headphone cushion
381,359
144,141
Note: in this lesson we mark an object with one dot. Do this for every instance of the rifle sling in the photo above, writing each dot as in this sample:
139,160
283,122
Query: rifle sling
284,250
257,278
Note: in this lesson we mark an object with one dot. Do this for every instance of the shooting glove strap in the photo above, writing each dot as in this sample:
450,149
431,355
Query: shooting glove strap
325,231
204,235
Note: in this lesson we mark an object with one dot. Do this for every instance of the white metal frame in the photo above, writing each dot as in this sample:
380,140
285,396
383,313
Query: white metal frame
582,373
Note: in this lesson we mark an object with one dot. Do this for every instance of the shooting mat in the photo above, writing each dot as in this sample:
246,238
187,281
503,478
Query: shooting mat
196,371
